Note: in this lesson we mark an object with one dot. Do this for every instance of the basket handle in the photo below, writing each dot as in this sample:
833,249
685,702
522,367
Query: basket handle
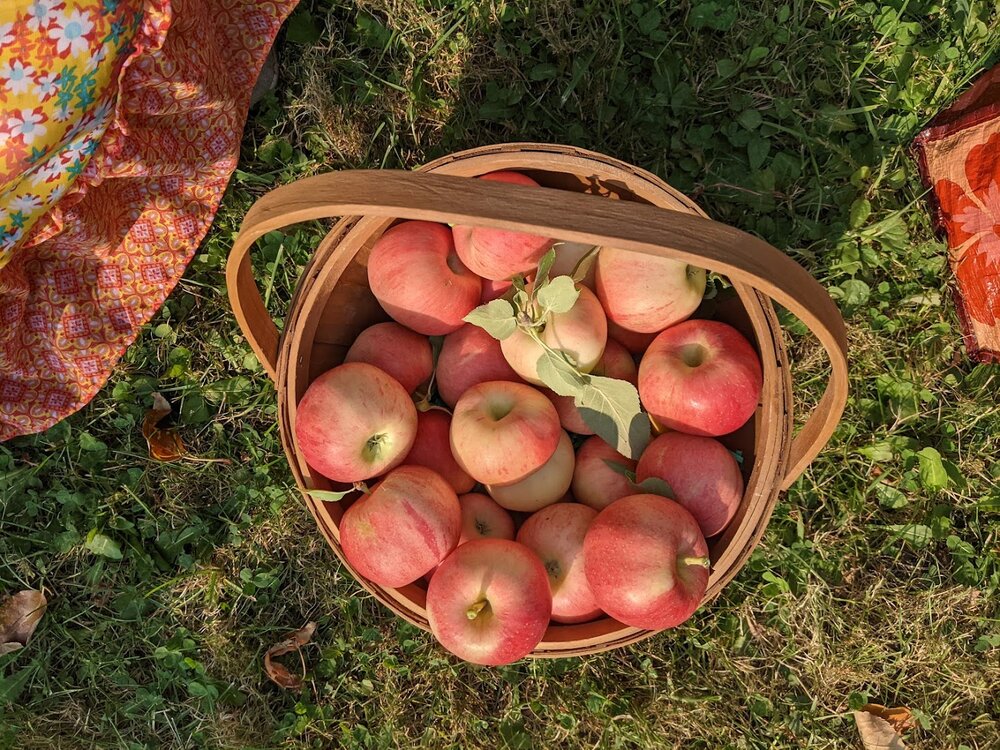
570,216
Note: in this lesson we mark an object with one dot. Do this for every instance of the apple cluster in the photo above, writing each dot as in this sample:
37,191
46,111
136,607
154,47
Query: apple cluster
493,489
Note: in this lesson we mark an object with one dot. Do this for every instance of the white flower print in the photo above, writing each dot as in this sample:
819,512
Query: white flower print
26,203
40,13
6,34
981,220
46,172
28,124
16,77
70,31
46,84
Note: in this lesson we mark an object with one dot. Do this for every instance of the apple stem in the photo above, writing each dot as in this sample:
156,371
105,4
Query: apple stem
473,612
362,487
704,562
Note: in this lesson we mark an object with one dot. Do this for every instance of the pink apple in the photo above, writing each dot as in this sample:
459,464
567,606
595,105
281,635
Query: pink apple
541,487
616,363
483,518
489,602
503,431
701,377
647,293
702,473
568,256
395,350
418,279
646,561
636,343
594,482
355,422
556,535
500,253
494,289
407,525
468,357
582,333
432,448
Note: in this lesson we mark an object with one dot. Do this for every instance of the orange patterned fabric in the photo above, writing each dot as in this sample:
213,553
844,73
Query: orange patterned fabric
959,157
74,297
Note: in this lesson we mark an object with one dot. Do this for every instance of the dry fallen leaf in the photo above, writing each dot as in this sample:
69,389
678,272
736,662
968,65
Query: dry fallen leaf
278,673
899,718
19,616
164,444
877,733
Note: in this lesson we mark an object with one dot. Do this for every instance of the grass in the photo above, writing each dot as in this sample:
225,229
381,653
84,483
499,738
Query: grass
878,578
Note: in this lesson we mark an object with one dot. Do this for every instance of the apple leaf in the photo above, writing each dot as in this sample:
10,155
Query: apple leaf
544,266
650,485
329,496
558,296
495,317
19,616
559,374
611,409
585,264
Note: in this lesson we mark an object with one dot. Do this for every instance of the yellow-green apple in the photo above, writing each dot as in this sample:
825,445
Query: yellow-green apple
356,422
702,473
594,482
396,350
407,525
581,332
417,277
556,535
503,431
646,561
635,342
432,448
483,518
489,602
568,256
647,293
701,377
541,487
468,357
616,363
500,253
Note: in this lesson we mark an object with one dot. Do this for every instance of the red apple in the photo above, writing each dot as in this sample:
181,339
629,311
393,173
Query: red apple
503,431
647,293
500,253
398,351
702,473
568,256
494,289
581,332
646,561
418,279
617,363
407,525
556,535
701,377
541,487
635,342
355,422
489,602
483,518
594,482
432,448
468,357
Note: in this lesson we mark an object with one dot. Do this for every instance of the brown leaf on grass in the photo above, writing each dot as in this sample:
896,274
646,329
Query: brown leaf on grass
278,673
19,616
899,718
164,444
877,733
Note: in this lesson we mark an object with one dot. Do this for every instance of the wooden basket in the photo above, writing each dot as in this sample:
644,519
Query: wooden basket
639,212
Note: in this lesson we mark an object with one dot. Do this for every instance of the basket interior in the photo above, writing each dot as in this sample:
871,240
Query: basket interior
350,307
